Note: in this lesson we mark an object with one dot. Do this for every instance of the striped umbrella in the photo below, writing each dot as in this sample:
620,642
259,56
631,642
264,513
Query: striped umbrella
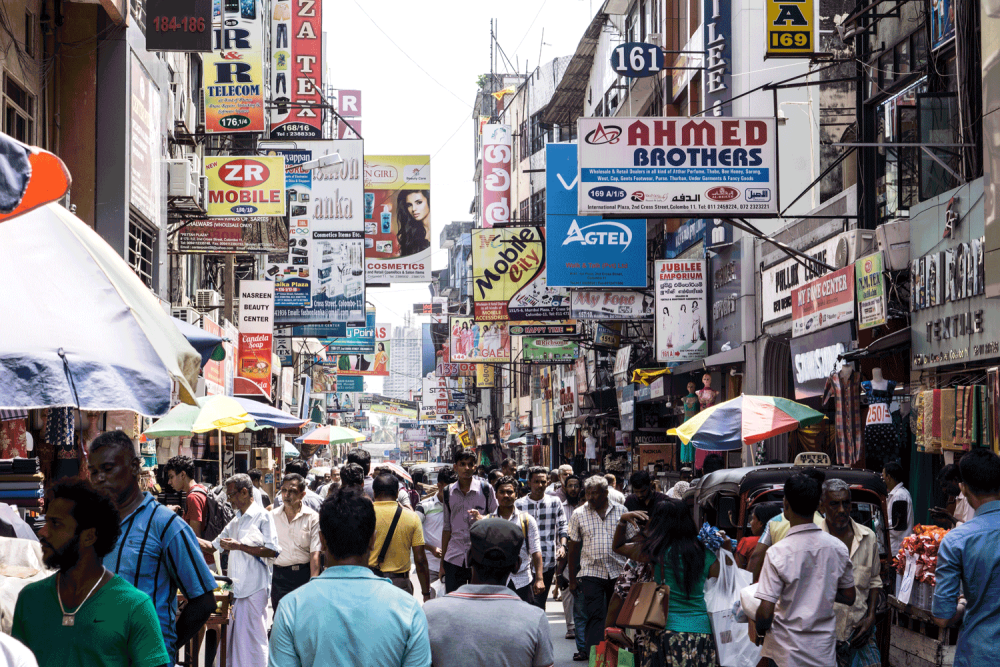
744,420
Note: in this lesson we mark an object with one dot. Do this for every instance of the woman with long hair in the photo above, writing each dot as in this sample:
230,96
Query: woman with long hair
413,210
669,543
381,360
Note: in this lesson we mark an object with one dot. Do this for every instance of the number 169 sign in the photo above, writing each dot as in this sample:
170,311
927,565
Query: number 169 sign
637,59
790,28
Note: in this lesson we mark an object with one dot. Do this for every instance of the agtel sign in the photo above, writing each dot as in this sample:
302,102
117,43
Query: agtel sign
622,238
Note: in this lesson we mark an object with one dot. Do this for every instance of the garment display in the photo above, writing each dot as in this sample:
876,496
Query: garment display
707,396
59,432
882,427
845,391
692,406
13,439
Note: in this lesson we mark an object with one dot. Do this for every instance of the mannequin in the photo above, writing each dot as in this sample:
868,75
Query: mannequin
879,382
882,427
707,396
691,402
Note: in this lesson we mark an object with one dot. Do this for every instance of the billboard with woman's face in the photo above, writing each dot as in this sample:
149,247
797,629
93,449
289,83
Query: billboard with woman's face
397,218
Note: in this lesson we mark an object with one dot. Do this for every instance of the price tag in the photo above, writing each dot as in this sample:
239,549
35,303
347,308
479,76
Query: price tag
878,413
906,584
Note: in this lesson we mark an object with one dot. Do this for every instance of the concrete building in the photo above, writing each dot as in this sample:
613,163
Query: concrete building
404,363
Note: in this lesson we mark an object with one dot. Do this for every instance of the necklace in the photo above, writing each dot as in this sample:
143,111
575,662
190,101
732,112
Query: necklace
69,618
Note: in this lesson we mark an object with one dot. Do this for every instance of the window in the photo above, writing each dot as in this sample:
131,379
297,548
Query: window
522,139
540,134
29,34
524,374
633,29
538,206
898,183
524,210
567,132
18,111
938,121
140,250
139,12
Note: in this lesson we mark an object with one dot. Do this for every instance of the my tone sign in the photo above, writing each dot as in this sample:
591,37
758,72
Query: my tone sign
245,186
823,302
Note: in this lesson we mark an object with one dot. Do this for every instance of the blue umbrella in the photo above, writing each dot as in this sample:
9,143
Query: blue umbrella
208,346
265,415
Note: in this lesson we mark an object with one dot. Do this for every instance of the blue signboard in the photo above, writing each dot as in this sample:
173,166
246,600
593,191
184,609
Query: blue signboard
350,383
358,340
709,230
637,59
587,251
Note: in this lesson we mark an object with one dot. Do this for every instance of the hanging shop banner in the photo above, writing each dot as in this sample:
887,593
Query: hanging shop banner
144,154
680,310
397,218
350,383
321,277
242,235
436,308
709,230
234,70
455,370
611,305
245,185
870,291
727,316
324,376
823,302
790,29
942,22
508,276
383,405
256,323
549,350
689,167
296,69
485,376
815,358
479,341
179,25
256,314
433,396
778,281
376,364
587,251
717,28
283,349
567,328
359,340
607,334
497,160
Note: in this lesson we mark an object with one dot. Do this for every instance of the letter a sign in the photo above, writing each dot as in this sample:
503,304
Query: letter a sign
790,26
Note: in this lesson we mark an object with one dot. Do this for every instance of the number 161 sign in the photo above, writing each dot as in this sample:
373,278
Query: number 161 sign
637,59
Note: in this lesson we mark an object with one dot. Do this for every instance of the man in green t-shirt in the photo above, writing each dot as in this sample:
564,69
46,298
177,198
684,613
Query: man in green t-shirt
85,616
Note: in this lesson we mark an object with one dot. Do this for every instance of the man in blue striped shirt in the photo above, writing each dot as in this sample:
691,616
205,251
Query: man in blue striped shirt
157,552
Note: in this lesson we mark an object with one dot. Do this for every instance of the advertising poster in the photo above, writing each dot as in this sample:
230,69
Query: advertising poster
434,396
485,376
611,305
778,280
321,278
256,323
359,340
823,302
397,218
376,363
549,350
870,291
815,358
675,168
587,251
497,160
508,276
554,328
245,186
296,30
350,383
790,29
234,70
680,310
244,235
942,20
324,376
383,405
479,341
144,156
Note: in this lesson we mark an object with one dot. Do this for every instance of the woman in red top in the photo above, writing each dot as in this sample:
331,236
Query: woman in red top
759,517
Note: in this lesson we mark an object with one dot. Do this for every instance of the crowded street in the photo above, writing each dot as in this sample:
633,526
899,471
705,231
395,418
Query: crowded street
696,363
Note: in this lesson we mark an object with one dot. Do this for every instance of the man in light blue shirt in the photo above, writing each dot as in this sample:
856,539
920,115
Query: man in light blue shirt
968,560
347,615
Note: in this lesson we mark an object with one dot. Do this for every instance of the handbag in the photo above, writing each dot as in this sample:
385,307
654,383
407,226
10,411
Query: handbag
618,637
646,607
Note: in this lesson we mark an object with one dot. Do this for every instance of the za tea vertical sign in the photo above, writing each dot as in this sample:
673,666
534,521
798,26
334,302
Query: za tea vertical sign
296,69
497,157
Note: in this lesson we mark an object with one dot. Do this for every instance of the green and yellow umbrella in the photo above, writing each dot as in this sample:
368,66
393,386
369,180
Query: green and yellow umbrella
745,420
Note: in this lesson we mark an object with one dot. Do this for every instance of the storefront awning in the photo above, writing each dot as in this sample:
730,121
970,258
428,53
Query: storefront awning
737,355
884,345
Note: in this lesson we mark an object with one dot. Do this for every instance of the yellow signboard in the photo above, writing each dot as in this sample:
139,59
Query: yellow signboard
245,186
465,439
790,28
485,376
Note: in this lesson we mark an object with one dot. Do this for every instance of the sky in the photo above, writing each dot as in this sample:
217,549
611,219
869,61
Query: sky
416,65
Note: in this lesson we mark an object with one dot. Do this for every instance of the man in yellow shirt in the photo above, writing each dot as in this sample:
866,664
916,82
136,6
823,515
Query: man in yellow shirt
400,527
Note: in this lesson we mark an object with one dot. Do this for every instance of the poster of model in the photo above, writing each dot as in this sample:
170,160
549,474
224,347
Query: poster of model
369,364
321,279
479,341
508,276
296,69
680,310
234,70
397,218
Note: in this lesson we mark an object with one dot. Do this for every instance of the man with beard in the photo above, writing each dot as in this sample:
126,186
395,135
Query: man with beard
84,615
572,603
157,552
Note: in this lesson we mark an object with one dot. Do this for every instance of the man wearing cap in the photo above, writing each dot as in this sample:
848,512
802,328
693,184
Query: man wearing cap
463,625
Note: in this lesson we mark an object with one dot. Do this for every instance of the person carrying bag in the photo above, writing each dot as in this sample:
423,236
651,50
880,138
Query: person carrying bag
734,646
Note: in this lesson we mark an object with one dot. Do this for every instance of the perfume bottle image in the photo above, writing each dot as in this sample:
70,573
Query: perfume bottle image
369,205
386,219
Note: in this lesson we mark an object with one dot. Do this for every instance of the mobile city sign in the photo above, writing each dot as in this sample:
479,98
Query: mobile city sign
689,167
587,251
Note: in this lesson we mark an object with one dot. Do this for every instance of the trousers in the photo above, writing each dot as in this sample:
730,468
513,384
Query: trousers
281,36
286,580
547,577
525,592
279,82
596,594
247,640
455,576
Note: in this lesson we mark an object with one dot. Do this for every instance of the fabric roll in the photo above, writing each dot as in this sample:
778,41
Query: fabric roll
949,398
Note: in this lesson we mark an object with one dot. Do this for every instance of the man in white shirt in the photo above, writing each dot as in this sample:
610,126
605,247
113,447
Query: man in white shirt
431,513
900,506
15,654
298,536
252,541
614,494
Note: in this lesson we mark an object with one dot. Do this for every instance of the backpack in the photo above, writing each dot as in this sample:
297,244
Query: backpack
487,491
218,512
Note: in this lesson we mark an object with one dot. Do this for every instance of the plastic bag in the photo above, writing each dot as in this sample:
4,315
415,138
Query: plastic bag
437,589
604,654
731,639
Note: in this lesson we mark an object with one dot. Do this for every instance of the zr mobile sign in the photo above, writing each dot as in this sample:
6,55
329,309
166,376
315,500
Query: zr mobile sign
245,186
684,167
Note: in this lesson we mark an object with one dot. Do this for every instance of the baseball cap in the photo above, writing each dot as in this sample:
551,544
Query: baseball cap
496,542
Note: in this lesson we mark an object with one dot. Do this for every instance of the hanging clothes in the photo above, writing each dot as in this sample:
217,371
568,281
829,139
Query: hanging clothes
846,395
882,426
13,439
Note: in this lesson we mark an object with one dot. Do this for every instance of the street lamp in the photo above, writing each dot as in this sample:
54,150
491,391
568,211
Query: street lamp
323,161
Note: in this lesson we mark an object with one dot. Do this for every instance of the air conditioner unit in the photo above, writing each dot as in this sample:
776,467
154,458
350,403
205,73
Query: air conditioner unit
894,242
188,315
191,114
852,245
205,299
179,176
195,184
